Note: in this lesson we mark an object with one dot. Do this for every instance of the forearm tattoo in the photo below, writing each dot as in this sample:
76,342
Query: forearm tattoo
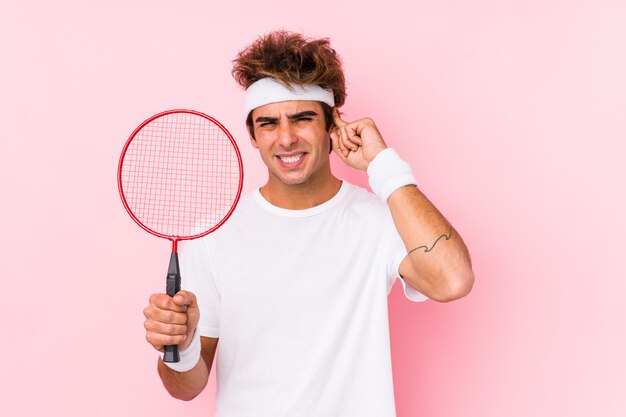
427,249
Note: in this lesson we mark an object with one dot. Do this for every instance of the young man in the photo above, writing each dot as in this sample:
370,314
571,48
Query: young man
294,286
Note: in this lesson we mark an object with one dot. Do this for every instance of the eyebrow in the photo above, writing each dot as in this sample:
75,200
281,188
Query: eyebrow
264,119
306,113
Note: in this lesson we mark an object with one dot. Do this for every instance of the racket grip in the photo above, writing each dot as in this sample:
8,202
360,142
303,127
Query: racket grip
172,287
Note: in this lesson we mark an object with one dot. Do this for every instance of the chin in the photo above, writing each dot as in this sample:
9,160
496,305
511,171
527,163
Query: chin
294,178
292,181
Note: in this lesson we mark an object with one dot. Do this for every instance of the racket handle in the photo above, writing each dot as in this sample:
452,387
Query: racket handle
173,286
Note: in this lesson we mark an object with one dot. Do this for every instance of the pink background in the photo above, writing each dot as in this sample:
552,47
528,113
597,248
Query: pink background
512,114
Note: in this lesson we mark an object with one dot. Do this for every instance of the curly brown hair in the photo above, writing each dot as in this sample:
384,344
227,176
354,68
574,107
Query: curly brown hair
291,58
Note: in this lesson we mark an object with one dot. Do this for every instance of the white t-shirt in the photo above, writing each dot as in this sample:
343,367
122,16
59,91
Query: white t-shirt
298,299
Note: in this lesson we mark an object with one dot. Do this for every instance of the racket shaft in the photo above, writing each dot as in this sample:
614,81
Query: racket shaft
173,286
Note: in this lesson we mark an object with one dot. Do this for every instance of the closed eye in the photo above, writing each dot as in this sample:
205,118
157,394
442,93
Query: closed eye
265,121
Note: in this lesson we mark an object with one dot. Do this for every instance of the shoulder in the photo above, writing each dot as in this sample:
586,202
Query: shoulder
243,212
244,208
362,210
360,199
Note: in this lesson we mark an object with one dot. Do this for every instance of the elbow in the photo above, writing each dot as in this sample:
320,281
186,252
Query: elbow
183,396
457,285
182,392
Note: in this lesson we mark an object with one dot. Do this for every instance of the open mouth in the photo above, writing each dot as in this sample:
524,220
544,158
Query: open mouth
291,160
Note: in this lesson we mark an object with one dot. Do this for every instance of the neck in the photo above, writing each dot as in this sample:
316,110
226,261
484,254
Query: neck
313,192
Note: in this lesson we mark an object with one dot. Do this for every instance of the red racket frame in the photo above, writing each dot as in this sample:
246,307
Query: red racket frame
176,239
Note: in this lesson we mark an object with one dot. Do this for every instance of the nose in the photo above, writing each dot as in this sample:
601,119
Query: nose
286,135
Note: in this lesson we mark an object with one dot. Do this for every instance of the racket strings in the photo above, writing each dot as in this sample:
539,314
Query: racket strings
181,175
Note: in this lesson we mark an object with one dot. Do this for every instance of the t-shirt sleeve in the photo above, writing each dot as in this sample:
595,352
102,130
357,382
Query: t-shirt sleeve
197,276
397,252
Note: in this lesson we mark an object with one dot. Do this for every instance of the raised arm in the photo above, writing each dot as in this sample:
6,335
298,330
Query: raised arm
438,263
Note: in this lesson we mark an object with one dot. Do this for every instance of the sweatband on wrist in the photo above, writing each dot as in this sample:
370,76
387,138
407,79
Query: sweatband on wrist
387,172
188,357
268,90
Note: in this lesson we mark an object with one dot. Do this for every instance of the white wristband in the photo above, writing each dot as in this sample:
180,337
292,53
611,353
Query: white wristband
387,172
188,357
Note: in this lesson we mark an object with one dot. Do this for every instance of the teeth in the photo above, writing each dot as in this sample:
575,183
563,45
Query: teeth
291,159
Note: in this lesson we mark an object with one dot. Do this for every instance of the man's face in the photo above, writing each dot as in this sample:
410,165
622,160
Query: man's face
292,140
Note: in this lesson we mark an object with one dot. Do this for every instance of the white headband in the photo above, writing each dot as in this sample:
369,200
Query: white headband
268,90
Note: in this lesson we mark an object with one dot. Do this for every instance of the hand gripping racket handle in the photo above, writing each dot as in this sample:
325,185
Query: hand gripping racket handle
173,286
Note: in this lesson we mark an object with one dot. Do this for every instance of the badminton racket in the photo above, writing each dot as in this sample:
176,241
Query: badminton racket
179,177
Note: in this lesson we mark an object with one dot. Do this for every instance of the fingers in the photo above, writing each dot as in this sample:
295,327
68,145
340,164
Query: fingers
171,320
345,136
160,334
165,302
165,311
185,299
337,121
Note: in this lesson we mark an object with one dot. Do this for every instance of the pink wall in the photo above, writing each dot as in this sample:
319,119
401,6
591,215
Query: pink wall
512,114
